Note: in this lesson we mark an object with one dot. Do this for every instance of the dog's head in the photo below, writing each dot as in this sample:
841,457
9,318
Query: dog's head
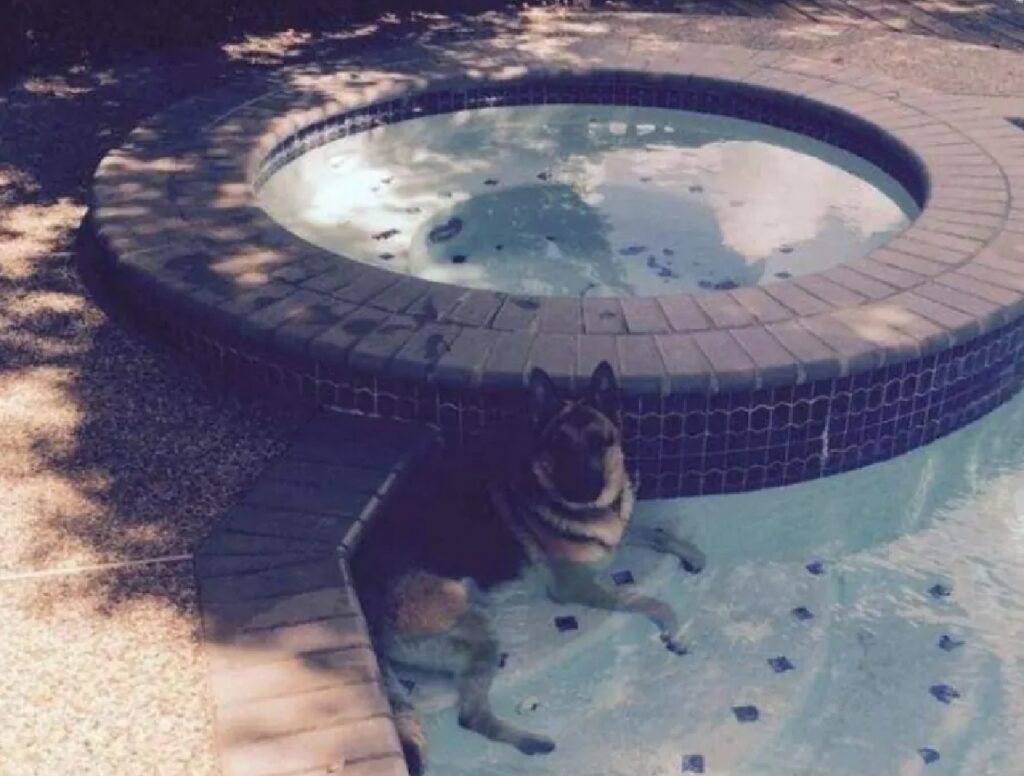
577,444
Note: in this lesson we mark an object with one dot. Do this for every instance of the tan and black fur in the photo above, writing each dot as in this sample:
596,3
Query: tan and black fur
556,498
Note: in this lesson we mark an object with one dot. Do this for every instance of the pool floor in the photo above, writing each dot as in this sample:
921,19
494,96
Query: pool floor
868,623
588,200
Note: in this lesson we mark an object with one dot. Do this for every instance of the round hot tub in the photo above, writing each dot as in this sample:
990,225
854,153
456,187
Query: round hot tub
589,200
794,270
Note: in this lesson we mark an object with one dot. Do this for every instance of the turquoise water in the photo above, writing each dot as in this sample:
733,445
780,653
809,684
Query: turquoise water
588,200
912,661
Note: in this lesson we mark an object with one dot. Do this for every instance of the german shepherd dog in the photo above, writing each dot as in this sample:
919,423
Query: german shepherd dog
558,501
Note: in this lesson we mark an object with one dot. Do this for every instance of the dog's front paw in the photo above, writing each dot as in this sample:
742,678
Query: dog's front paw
673,644
534,744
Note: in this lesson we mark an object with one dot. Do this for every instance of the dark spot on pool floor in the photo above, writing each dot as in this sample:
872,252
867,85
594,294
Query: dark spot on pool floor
928,754
780,664
746,713
446,231
491,182
566,623
693,763
940,590
624,577
815,567
802,613
944,693
948,643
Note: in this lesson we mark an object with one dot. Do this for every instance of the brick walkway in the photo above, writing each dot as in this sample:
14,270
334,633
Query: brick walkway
294,679
998,23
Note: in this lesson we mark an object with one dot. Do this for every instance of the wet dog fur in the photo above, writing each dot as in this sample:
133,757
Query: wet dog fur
556,498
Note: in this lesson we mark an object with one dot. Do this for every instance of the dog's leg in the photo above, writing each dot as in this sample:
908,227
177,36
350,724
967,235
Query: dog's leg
407,722
476,640
435,625
573,583
662,540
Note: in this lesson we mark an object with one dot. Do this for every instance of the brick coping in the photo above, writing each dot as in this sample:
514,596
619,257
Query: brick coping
174,210
295,683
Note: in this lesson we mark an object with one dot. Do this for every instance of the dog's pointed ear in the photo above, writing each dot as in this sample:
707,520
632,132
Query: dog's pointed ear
603,392
544,401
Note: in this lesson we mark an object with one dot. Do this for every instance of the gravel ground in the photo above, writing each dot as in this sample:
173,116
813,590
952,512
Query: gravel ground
103,675
112,451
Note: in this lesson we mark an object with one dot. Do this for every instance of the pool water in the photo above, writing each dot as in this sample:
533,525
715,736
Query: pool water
588,200
874,620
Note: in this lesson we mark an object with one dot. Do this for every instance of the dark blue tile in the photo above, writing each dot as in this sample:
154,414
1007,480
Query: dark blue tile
940,590
693,763
803,392
695,424
690,484
819,409
802,613
759,419
713,483
735,480
794,471
928,754
780,664
739,420
948,643
756,477
672,448
746,713
782,395
719,402
718,422
801,413
735,443
863,380
944,693
714,445
815,567
624,577
673,426
566,623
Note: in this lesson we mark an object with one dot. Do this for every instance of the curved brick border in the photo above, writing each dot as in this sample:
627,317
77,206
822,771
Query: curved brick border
724,391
